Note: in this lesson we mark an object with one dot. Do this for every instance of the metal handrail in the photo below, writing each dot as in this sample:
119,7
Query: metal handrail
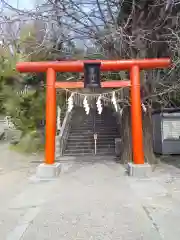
64,133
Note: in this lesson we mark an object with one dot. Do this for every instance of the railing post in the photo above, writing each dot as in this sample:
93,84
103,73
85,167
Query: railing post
136,116
50,116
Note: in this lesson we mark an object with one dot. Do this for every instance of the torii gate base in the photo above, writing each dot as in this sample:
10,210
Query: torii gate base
50,169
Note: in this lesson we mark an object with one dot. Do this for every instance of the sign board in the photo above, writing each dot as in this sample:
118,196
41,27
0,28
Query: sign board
92,75
171,129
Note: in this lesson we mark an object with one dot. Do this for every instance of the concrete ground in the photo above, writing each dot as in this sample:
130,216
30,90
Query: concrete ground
92,199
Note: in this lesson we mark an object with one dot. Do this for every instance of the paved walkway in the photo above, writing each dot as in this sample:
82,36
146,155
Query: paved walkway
90,200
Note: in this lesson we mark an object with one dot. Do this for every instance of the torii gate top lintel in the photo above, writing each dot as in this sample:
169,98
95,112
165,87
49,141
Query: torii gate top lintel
106,65
134,66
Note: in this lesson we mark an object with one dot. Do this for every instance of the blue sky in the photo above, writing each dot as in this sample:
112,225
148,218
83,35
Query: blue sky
23,4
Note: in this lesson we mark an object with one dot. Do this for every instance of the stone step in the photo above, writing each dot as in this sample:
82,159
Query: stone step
91,140
91,151
102,152
101,131
103,119
77,154
107,130
79,151
100,146
91,135
90,143
86,141
90,132
88,125
113,126
87,138
90,146
81,140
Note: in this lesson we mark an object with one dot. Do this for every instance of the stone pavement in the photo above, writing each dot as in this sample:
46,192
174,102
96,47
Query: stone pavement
90,200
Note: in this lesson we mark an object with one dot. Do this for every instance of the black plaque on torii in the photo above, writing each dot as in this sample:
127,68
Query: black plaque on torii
92,75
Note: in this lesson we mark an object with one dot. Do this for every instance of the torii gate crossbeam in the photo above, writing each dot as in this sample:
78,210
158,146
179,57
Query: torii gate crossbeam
134,66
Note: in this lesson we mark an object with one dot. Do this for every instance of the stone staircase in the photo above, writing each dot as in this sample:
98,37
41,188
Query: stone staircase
83,127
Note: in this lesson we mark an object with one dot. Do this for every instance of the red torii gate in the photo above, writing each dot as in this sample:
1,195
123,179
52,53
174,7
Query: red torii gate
134,66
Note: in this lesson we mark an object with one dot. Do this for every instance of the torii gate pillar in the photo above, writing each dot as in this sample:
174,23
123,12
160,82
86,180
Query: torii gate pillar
51,169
